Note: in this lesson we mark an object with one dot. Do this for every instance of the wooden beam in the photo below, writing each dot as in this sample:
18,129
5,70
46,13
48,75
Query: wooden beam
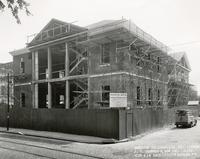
76,65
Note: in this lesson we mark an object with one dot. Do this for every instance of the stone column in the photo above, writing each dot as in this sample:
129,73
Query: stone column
33,78
49,95
49,59
36,69
33,95
33,65
89,81
67,97
36,95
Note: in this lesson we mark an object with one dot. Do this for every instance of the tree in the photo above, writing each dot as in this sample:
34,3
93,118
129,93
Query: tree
15,6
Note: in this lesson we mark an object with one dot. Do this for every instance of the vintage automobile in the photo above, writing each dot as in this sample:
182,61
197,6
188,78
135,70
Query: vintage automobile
185,118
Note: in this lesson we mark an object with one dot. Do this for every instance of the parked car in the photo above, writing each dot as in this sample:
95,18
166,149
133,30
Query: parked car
185,118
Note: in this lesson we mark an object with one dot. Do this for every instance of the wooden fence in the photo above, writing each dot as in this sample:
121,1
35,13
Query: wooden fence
108,123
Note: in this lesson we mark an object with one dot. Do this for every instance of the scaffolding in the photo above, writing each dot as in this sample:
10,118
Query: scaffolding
132,42
137,44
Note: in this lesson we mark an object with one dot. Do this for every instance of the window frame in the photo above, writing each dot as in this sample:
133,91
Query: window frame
22,66
150,96
138,95
104,94
158,97
22,99
104,53
158,64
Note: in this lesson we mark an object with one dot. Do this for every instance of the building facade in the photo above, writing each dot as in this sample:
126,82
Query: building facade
178,85
68,66
5,69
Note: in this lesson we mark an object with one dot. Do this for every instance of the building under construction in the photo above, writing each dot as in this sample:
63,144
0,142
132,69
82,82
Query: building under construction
72,67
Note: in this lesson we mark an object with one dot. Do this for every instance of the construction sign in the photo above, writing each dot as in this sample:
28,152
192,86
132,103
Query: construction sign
118,100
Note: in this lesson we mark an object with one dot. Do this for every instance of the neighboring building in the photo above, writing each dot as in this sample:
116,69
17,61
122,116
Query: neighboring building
67,66
193,93
5,69
193,103
178,85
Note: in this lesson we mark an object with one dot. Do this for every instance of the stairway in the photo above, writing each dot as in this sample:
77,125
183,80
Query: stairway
79,58
83,97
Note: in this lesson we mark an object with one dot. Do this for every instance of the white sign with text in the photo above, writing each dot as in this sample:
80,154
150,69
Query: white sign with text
118,100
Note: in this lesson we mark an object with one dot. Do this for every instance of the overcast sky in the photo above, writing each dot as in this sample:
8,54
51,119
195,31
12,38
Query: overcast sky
172,22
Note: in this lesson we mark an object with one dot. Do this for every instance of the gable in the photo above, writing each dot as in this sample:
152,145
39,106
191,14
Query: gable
55,29
53,23
182,59
184,62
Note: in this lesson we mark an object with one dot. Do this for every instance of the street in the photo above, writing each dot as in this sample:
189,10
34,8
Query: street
166,143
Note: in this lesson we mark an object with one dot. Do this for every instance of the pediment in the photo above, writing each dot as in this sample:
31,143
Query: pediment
182,59
184,62
51,29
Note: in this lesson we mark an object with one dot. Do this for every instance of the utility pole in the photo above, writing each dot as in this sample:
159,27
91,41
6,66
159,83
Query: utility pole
8,99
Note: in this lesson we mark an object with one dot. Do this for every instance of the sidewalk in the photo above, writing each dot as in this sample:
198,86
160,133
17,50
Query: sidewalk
58,136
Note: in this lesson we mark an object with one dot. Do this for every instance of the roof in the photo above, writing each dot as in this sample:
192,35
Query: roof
109,30
19,51
123,29
193,102
100,24
179,55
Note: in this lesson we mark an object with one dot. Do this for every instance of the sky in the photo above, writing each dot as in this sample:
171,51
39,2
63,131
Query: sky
176,23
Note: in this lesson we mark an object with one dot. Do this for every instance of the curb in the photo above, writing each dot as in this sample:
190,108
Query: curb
133,138
104,141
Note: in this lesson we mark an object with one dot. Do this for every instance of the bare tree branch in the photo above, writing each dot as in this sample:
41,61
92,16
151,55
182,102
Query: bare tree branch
15,6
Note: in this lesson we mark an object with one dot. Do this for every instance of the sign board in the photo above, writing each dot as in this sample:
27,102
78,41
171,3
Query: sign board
118,100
